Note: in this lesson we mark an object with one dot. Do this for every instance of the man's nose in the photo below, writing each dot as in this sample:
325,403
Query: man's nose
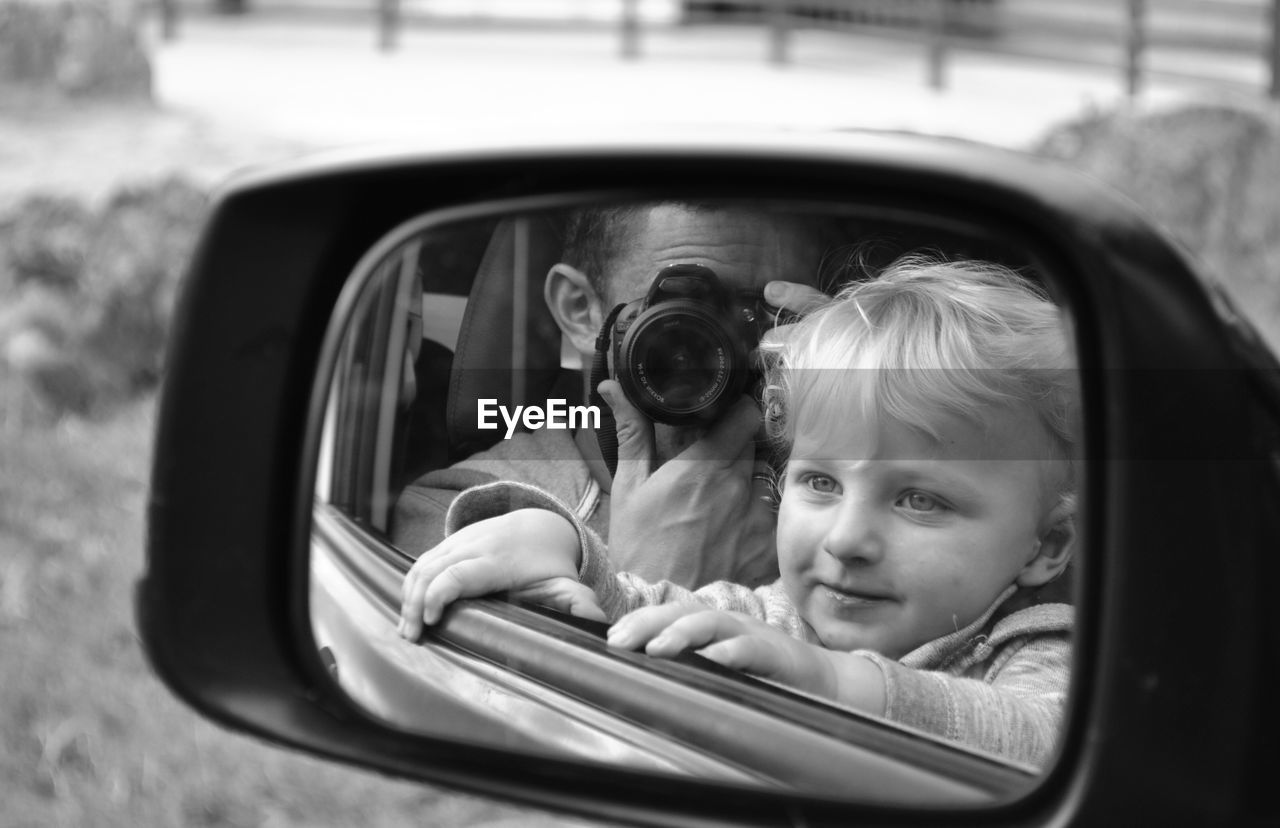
855,534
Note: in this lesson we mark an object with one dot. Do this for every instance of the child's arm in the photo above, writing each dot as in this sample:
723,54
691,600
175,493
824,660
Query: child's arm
1013,708
515,537
512,536
741,642
500,537
620,594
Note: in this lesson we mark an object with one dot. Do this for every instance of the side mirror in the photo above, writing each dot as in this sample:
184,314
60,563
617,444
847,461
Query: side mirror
348,326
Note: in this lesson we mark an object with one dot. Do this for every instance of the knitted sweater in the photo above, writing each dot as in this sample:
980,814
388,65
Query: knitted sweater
547,458
997,685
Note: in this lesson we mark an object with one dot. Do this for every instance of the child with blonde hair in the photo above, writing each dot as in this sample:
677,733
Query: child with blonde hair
928,420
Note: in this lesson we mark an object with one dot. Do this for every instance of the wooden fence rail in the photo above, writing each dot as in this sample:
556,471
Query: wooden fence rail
1129,36
1124,34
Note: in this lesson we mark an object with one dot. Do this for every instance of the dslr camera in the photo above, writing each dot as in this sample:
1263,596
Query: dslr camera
683,353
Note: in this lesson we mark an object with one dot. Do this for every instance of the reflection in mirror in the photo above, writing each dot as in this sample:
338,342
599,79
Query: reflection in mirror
830,448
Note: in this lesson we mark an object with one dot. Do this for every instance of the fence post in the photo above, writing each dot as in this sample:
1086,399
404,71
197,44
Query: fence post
779,32
630,29
1135,47
937,58
169,20
388,24
1275,50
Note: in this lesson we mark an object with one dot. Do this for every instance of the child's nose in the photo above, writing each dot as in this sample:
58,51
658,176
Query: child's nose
854,535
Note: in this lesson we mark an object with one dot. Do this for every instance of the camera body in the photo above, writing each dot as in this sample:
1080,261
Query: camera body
683,353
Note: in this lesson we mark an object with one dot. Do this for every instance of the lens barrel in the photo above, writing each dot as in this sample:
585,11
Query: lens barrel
680,364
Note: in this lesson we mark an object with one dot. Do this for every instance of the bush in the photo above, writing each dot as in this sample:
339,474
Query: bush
47,237
88,296
140,246
1208,174
75,47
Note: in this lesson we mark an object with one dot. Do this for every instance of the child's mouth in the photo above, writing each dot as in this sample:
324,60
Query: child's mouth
853,599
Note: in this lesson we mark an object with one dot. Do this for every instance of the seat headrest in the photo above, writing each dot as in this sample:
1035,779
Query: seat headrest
508,346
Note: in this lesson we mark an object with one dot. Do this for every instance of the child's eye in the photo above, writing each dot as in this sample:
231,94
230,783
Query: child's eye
921,502
821,483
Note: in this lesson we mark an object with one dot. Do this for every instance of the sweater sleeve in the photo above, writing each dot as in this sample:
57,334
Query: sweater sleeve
1014,710
418,519
493,499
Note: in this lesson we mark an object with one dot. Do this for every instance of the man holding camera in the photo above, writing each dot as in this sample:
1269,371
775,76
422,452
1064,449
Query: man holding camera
685,503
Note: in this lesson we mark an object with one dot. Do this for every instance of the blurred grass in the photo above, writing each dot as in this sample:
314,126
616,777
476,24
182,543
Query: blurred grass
91,737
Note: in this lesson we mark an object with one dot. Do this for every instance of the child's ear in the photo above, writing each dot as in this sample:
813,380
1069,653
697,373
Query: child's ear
1054,546
573,302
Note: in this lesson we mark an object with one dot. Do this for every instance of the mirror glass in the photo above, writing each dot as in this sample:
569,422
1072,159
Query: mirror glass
820,456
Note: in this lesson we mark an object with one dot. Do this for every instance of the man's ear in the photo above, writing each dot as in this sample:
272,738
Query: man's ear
574,305
1054,547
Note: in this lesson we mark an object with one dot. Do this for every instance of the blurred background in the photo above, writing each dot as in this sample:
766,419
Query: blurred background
118,117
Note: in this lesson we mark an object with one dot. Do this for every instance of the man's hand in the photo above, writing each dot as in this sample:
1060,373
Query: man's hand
696,518
793,299
708,510
731,639
533,553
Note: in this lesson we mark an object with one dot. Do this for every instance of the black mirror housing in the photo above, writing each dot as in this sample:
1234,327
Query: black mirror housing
1167,720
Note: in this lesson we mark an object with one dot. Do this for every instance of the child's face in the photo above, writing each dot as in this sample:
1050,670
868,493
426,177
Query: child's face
888,539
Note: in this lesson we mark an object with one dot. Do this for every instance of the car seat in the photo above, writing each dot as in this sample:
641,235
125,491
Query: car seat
509,345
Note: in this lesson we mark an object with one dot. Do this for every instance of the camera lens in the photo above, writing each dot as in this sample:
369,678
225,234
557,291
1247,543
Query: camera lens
682,365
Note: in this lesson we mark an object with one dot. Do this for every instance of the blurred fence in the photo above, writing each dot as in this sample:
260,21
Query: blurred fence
1229,41
1233,42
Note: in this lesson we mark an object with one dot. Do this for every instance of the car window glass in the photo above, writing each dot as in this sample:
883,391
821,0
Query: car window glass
846,495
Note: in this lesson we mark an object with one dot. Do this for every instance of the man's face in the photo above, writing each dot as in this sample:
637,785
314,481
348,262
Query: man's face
745,251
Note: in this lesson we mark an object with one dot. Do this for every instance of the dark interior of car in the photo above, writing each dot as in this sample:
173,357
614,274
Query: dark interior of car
482,261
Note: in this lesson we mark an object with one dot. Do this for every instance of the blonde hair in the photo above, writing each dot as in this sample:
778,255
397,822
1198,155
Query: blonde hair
929,337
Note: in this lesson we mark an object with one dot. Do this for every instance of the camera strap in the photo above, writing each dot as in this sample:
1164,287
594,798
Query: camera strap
607,433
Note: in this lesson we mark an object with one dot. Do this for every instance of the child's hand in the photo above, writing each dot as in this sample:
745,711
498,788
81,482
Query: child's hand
532,552
731,639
